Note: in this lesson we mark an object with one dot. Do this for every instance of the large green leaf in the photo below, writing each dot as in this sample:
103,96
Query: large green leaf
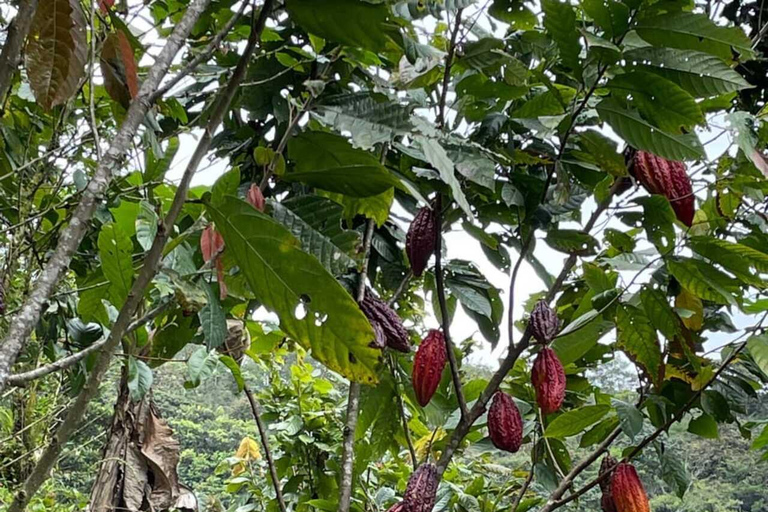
658,221
735,257
436,155
609,15
328,162
115,250
661,101
314,309
699,73
573,422
316,222
572,241
139,378
580,336
642,135
674,472
637,338
705,281
560,22
660,313
692,31
758,349
212,320
350,22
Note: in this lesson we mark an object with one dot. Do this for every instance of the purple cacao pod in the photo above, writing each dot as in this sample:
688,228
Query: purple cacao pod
606,501
669,179
544,322
421,239
386,324
548,378
428,365
421,489
505,425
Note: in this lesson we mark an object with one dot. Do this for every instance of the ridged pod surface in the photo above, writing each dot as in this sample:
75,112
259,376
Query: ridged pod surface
628,491
669,179
606,501
428,365
544,322
421,489
548,378
397,507
505,425
421,239
386,324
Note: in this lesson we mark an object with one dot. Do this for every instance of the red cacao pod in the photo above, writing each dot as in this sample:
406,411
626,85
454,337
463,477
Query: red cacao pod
606,501
256,198
386,324
397,507
428,366
628,491
548,378
505,425
669,179
544,322
421,489
421,239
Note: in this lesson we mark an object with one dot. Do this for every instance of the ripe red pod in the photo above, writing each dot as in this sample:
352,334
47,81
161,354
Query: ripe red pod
544,322
668,178
421,239
505,425
421,489
628,491
606,500
387,326
397,507
548,378
428,366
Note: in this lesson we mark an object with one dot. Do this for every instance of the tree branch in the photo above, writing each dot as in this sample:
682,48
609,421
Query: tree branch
152,258
440,122
14,42
265,444
22,324
404,419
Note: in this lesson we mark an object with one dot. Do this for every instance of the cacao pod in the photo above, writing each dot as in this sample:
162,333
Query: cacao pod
505,425
628,491
421,239
255,197
397,507
544,322
428,366
386,324
421,489
606,501
548,378
667,178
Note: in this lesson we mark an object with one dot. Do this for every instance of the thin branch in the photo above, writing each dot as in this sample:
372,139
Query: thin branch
153,256
14,42
445,317
265,444
400,288
353,400
23,323
91,93
403,417
447,74
523,489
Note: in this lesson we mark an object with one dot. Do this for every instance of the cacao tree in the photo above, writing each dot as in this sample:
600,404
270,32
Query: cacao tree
347,205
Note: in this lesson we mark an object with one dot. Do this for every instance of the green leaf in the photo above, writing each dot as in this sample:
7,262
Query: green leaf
373,207
700,74
735,257
637,338
350,22
572,241
436,155
658,221
176,331
146,225
630,418
603,151
572,422
609,15
642,135
213,320
703,280
235,369
560,22
758,349
115,250
760,441
139,378
200,365
691,31
155,168
659,311
83,334
674,473
580,336
328,162
314,309
704,426
513,12
659,100
226,185
316,222
599,432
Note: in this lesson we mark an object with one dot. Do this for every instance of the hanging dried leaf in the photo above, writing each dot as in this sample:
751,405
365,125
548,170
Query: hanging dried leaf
57,51
118,66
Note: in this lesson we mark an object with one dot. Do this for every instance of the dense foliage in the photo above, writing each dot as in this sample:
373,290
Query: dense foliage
606,155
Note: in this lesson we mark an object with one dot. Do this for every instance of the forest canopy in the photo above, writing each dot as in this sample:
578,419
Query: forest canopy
383,255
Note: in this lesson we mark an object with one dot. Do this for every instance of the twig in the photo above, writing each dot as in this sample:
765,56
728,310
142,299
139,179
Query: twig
265,444
400,288
440,122
14,41
523,489
353,399
91,93
445,317
401,406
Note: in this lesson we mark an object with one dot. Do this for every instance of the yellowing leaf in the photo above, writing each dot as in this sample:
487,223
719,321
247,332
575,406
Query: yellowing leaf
687,300
247,451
